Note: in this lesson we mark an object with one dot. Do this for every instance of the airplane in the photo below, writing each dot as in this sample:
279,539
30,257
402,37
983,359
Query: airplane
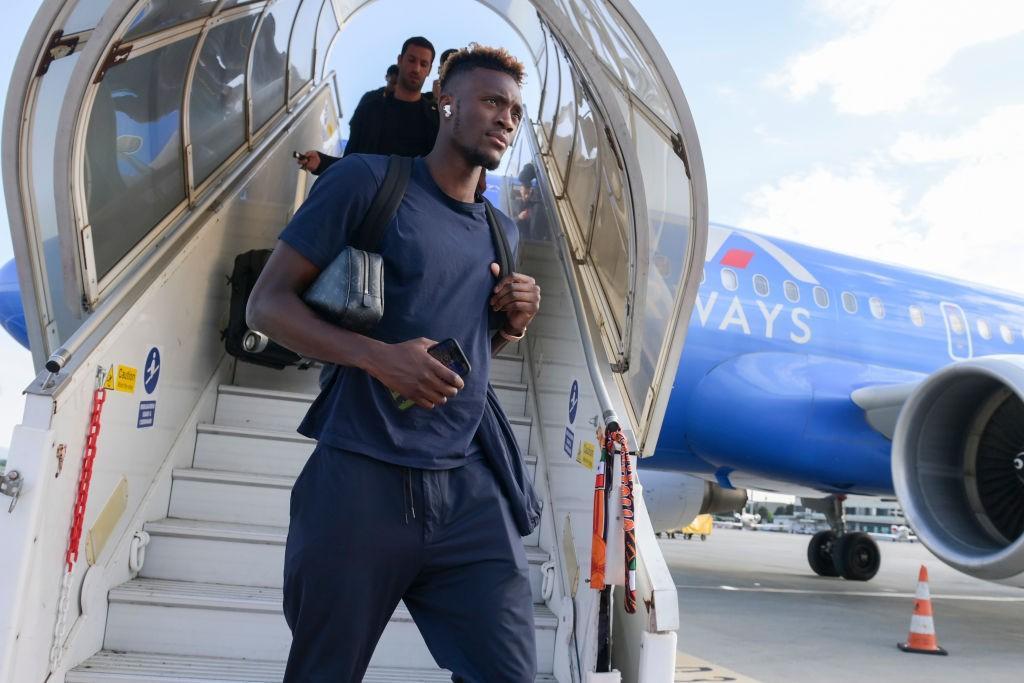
821,375
797,363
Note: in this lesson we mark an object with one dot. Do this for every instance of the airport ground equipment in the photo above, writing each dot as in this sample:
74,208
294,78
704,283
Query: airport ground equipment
922,638
145,146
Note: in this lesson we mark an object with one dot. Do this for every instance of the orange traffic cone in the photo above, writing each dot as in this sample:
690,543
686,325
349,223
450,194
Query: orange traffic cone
922,626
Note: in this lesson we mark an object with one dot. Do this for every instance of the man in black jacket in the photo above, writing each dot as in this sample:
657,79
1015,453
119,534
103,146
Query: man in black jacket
403,123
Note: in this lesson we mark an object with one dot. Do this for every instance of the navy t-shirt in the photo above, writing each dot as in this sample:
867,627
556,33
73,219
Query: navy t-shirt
437,255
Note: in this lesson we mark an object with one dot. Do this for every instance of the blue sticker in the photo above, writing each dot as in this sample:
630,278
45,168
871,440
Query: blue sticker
569,438
574,401
147,414
151,373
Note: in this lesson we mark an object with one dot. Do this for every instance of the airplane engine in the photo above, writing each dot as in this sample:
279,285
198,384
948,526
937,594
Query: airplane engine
958,466
674,499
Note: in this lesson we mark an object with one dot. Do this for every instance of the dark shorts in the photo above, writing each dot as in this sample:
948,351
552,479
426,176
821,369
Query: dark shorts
365,534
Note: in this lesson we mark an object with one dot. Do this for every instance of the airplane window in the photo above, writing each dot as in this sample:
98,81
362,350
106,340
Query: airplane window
216,108
984,329
791,290
956,324
877,307
1006,333
761,285
849,302
821,297
729,279
917,316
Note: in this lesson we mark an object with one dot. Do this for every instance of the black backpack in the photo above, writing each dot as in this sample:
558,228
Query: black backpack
253,347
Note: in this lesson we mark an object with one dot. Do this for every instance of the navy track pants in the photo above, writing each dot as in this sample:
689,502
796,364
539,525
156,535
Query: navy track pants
365,534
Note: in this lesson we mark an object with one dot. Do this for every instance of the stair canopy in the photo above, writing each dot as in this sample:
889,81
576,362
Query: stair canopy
125,116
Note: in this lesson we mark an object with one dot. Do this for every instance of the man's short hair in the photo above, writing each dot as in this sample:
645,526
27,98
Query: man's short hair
482,57
445,55
419,41
393,70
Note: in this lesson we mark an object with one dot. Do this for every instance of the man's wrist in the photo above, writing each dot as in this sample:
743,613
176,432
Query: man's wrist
369,356
510,333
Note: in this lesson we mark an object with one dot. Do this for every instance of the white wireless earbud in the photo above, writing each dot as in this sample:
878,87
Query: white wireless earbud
447,111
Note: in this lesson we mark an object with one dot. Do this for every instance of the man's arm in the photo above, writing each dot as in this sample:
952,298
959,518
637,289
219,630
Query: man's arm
276,308
358,128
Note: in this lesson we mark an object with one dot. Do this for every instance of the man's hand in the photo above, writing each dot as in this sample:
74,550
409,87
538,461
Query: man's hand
518,296
408,369
310,161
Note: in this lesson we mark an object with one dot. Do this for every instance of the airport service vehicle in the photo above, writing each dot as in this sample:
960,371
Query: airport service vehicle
700,526
146,144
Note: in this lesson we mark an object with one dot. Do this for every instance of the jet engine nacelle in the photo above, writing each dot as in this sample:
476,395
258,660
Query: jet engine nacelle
674,499
958,466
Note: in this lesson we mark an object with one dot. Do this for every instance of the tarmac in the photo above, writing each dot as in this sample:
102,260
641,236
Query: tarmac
750,609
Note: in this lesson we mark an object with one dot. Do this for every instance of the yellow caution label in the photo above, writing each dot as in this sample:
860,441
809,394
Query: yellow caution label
126,376
108,383
586,455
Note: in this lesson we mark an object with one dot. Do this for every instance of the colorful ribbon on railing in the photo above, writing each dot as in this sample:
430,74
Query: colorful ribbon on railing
614,443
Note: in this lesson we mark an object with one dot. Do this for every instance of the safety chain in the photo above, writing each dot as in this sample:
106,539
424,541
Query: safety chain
614,443
77,520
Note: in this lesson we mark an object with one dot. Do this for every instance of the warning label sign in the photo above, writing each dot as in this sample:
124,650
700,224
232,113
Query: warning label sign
125,380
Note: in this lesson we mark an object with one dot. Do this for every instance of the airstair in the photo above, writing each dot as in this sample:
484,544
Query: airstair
123,245
206,605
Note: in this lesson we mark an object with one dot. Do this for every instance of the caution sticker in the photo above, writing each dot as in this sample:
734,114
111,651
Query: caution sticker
108,383
125,380
585,456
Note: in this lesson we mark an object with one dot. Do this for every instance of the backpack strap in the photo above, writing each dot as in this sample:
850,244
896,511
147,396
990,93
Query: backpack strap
385,204
500,241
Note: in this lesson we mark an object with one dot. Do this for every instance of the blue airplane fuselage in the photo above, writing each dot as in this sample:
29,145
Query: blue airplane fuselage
782,334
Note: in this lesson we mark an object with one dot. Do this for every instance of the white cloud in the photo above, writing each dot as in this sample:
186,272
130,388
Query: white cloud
966,224
892,52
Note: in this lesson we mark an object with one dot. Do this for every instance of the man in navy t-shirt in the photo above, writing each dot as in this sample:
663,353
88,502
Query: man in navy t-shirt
400,504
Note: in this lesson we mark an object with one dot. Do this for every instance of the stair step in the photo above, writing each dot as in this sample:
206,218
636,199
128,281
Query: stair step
284,410
267,451
504,367
240,554
213,620
242,497
134,667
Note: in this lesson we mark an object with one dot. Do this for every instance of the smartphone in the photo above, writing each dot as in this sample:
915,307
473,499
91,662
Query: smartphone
450,355
300,157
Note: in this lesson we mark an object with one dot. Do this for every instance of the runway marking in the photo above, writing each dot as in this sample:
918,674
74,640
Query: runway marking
857,594
690,669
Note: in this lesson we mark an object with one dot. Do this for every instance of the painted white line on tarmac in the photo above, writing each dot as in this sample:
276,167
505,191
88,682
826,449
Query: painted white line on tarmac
855,594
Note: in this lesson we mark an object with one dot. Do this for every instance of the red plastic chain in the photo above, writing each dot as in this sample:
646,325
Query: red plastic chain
85,478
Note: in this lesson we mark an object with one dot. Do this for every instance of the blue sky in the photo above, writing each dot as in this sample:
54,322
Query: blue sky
890,130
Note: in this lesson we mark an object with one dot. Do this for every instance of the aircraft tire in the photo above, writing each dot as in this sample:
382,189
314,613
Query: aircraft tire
819,553
856,556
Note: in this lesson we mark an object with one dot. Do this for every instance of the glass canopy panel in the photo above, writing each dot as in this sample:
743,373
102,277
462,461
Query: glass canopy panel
552,85
302,44
565,122
642,79
134,172
584,21
52,89
582,185
86,15
269,58
326,29
161,14
667,192
217,100
608,249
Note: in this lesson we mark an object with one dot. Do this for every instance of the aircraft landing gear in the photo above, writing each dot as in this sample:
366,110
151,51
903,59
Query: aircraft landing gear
852,555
